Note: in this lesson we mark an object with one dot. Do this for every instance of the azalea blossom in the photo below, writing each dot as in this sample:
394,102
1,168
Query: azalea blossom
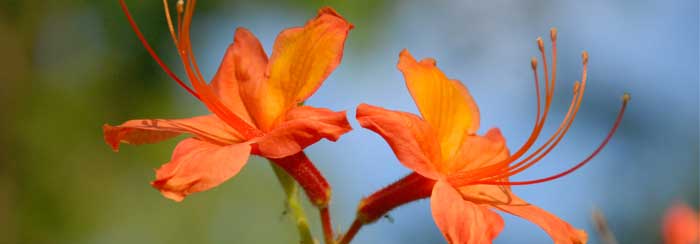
466,175
681,225
254,102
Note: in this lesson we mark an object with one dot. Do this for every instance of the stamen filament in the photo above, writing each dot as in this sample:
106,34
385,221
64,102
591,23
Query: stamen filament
555,138
625,100
180,7
169,21
559,134
553,38
464,177
579,91
150,50
208,97
540,46
533,63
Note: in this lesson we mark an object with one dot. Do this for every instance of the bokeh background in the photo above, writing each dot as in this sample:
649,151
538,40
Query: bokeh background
68,67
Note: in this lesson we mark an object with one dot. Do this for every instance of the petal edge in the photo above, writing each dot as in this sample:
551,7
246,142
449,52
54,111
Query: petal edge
413,141
302,127
146,131
198,166
460,221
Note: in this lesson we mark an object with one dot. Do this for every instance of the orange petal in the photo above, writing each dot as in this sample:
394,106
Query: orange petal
413,140
143,131
248,65
301,59
244,60
479,151
680,225
560,231
444,103
462,221
303,126
198,166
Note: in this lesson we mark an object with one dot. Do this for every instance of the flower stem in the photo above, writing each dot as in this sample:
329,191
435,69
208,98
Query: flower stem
354,228
298,215
303,171
408,189
327,225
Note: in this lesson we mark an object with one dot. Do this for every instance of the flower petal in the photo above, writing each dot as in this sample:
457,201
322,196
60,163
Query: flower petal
413,140
560,231
680,225
446,104
198,166
301,59
462,221
244,60
250,63
302,127
502,197
146,131
479,151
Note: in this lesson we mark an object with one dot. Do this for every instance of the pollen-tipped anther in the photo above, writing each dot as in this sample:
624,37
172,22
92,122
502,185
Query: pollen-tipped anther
180,6
533,63
540,44
577,86
553,34
584,56
626,97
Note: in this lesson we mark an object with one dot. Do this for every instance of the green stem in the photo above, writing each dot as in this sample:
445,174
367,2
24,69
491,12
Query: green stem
298,215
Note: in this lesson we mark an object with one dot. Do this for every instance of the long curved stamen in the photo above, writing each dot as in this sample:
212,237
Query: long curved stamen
533,63
540,46
208,97
579,91
625,100
553,37
543,150
462,178
500,173
180,7
150,50
169,21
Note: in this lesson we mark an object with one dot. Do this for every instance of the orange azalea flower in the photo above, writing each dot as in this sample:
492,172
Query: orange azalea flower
468,173
255,104
681,225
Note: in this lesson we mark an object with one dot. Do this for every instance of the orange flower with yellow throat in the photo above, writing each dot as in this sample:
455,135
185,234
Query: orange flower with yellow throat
255,106
466,175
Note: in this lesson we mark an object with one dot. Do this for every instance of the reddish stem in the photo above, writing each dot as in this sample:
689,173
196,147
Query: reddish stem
327,225
354,228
